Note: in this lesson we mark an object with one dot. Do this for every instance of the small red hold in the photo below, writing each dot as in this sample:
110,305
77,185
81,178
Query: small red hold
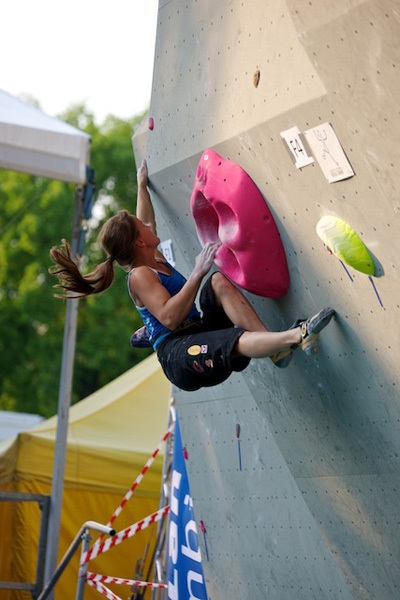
204,531
238,430
185,453
151,123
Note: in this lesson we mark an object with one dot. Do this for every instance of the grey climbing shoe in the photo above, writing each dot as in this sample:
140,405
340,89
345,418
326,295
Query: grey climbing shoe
310,329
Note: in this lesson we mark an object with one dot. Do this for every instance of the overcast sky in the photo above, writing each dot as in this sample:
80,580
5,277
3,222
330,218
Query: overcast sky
64,53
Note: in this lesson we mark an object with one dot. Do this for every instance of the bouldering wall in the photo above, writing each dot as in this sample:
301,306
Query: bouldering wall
304,97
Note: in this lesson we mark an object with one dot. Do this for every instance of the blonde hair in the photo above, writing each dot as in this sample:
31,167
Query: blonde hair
117,236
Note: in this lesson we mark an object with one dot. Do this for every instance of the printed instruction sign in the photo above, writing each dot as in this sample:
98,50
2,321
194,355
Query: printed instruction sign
168,251
294,143
328,153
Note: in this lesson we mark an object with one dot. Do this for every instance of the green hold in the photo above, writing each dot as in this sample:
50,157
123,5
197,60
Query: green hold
343,242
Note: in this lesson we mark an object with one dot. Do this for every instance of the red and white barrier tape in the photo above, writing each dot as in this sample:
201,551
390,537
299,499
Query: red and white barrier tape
140,476
102,547
100,587
120,581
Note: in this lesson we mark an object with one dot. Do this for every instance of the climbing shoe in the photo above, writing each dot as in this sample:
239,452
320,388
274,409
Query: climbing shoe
141,338
310,328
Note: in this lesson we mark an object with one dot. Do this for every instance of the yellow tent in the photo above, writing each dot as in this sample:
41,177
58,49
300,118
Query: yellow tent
111,435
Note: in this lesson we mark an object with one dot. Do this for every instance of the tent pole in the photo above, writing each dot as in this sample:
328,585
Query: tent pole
64,401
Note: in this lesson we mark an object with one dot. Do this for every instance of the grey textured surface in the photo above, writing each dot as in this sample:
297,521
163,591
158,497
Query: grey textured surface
314,512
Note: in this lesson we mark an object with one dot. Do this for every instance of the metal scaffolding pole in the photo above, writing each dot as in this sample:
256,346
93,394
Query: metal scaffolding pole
64,401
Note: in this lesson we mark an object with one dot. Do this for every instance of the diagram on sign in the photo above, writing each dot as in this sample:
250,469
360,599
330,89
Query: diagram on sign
329,153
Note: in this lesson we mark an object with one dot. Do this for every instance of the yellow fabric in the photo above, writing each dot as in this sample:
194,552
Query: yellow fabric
111,435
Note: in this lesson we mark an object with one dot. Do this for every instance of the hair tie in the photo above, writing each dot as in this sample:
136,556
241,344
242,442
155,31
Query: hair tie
111,259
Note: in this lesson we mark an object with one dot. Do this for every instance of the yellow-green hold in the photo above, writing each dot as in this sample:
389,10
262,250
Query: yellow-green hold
343,242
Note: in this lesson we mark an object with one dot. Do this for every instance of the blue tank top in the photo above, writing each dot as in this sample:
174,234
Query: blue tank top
173,284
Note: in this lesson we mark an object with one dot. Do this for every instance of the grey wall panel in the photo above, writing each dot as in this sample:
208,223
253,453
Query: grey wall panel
262,538
314,512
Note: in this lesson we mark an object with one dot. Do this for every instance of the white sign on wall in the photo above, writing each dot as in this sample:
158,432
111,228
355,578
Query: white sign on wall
328,152
168,251
294,143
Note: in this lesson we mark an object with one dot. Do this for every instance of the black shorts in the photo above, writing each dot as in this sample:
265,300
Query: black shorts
200,356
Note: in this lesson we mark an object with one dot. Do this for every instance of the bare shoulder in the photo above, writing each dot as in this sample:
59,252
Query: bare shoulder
141,274
141,280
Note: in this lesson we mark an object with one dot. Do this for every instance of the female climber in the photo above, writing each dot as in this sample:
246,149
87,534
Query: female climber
195,349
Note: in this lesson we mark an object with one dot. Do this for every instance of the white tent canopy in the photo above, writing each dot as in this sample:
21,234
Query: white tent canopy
34,143
12,423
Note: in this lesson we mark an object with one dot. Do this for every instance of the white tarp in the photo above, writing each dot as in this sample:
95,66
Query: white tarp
34,143
12,423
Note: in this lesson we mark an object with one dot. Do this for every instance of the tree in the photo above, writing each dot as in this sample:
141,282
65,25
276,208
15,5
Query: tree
35,214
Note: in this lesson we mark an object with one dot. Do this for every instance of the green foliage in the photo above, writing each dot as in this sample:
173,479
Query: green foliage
35,214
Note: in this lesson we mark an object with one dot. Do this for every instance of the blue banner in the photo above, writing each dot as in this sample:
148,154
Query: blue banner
185,571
